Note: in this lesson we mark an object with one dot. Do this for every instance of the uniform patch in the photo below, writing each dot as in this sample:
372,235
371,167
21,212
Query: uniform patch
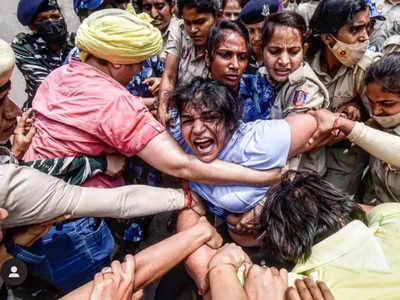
299,98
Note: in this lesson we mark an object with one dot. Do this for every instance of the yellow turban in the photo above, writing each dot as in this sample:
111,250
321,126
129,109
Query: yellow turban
7,58
118,36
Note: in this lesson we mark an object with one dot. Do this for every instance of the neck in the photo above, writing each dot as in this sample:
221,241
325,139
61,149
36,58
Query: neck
330,61
259,57
95,63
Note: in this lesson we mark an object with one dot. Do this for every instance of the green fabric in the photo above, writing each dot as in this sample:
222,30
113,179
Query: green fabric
74,170
359,261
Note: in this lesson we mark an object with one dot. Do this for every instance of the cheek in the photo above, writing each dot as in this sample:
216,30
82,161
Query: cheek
296,61
393,110
186,133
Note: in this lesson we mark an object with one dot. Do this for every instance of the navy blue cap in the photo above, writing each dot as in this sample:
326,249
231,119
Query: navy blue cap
80,5
28,9
373,12
255,11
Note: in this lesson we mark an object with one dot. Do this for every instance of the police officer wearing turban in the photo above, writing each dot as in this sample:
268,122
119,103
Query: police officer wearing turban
253,15
45,48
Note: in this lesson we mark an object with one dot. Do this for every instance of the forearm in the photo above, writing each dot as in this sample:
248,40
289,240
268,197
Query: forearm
155,261
33,197
224,284
167,85
164,154
376,142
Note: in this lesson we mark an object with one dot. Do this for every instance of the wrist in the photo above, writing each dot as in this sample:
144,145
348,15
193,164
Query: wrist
220,267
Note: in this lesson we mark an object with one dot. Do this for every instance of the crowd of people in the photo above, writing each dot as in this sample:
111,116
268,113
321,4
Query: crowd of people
269,129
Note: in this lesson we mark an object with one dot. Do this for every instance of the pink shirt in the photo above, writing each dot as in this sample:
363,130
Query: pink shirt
81,110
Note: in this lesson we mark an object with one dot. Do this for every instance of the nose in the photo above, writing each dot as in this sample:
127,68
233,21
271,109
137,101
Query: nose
198,126
377,109
364,35
234,63
11,110
284,59
154,12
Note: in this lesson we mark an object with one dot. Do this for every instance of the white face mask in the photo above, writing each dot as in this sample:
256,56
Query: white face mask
388,121
349,54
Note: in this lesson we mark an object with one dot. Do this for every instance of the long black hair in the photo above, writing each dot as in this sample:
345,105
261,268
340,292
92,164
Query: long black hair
386,71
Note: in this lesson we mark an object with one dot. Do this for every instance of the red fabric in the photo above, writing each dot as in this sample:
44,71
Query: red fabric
81,110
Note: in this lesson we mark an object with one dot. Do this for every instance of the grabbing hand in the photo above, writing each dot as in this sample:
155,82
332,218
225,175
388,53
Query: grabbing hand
115,165
115,282
351,110
229,254
154,85
306,289
265,283
163,115
23,135
215,240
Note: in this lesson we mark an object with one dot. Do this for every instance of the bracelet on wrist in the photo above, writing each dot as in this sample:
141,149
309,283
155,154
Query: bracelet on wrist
335,127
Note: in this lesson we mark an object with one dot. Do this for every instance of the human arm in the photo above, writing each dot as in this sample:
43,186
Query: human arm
34,197
156,260
372,140
302,127
167,85
164,154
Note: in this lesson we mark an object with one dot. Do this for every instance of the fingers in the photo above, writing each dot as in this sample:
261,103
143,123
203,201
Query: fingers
326,293
292,294
307,289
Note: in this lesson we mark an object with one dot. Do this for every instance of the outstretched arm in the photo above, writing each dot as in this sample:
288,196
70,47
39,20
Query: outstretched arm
164,154
155,261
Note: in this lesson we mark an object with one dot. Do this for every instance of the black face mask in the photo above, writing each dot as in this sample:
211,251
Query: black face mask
54,31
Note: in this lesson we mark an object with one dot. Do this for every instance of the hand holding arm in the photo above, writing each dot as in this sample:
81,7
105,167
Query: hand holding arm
23,135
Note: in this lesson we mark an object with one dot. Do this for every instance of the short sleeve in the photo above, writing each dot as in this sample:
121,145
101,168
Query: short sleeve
268,146
174,42
127,125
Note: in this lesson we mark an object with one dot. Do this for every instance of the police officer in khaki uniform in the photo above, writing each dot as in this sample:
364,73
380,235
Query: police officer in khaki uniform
383,86
390,9
338,55
303,91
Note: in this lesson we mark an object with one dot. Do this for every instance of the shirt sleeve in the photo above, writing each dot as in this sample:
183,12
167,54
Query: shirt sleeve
127,125
268,146
174,42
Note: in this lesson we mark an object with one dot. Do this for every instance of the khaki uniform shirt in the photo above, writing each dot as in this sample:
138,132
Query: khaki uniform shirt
181,45
385,177
392,44
174,26
302,91
345,165
385,29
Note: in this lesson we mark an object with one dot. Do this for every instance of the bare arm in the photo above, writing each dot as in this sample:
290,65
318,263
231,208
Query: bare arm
167,85
164,154
155,261
302,127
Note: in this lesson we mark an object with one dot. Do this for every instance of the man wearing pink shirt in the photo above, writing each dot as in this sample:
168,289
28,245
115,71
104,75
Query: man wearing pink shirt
83,108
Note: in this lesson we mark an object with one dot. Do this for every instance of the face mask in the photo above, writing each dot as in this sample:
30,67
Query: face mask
388,121
54,31
349,54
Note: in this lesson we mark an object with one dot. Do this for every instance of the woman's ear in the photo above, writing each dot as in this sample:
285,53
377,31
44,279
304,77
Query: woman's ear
305,47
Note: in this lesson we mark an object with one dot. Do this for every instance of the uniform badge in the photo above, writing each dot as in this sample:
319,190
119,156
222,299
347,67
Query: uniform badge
265,10
299,98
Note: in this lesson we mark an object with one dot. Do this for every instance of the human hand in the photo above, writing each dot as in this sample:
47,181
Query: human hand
23,135
215,240
324,133
229,254
163,115
115,282
32,233
115,165
265,283
306,289
154,85
351,110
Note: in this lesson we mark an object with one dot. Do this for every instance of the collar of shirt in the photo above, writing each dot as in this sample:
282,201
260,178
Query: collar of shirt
324,76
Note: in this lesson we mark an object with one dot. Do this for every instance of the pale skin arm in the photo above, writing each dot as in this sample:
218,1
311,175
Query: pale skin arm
167,85
155,261
164,154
